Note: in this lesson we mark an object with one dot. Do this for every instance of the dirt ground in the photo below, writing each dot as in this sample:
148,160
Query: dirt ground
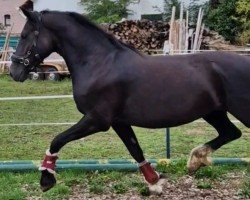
186,187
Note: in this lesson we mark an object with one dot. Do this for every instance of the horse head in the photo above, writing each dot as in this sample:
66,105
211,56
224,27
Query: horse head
35,44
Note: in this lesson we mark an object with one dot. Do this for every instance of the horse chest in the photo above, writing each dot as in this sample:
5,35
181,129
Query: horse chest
95,97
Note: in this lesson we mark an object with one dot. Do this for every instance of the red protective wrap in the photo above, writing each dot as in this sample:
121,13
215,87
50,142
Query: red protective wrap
49,162
150,175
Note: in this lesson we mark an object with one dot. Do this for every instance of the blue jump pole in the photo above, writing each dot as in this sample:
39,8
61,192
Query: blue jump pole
101,165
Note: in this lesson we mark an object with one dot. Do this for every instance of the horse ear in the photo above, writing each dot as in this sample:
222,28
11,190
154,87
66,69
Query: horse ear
30,15
25,12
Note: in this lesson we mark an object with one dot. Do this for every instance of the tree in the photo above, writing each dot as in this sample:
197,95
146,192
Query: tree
106,10
193,9
243,11
168,5
223,20
214,4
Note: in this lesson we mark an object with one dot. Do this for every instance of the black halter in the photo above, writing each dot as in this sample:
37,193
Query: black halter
32,54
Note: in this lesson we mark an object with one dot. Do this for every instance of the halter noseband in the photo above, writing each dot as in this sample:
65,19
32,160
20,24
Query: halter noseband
25,60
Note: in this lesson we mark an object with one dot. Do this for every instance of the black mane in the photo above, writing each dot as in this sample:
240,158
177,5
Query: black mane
87,23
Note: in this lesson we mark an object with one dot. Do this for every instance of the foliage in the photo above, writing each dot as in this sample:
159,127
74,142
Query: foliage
243,10
231,19
168,5
214,3
223,20
193,9
106,10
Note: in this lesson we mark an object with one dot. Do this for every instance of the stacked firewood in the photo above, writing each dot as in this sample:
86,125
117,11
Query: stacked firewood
144,35
213,41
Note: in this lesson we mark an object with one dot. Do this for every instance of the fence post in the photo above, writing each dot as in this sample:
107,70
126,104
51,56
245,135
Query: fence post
168,143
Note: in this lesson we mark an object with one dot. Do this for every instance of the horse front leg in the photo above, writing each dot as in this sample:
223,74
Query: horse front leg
86,126
128,137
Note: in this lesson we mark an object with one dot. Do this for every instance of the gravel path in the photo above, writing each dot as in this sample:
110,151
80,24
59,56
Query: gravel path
184,188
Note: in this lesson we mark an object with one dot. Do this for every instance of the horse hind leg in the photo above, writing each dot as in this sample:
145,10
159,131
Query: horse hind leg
241,111
227,132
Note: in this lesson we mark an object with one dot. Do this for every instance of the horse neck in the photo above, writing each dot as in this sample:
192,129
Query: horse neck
79,45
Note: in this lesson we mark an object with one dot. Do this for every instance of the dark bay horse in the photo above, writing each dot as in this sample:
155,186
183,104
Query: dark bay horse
116,86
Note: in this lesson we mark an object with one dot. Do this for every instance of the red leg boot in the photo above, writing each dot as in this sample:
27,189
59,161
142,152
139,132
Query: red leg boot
150,175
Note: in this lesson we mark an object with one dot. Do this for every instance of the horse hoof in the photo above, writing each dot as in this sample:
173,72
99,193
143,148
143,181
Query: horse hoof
198,158
47,181
157,188
46,188
193,169
162,176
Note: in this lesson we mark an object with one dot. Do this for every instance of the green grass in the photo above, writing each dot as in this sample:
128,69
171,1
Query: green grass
204,185
246,188
24,185
30,143
245,191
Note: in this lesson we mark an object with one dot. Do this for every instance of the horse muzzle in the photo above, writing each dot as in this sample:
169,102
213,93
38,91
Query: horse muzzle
18,72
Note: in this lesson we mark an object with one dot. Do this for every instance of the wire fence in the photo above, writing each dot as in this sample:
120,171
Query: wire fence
35,120
245,52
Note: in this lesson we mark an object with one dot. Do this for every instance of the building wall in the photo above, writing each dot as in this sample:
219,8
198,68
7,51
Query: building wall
143,7
62,5
10,7
150,7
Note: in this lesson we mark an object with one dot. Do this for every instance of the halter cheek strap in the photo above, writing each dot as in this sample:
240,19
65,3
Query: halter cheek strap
25,60
32,54
150,175
49,162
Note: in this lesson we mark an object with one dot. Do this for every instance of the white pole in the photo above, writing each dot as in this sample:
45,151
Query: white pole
187,32
198,26
171,30
180,28
200,37
35,97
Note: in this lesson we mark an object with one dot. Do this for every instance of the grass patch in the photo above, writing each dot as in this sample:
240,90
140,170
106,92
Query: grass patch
246,189
246,184
204,184
216,172
174,169
23,185
30,143
26,185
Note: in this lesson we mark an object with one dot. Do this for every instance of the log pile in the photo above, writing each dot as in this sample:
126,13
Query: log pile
213,41
149,36
144,35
